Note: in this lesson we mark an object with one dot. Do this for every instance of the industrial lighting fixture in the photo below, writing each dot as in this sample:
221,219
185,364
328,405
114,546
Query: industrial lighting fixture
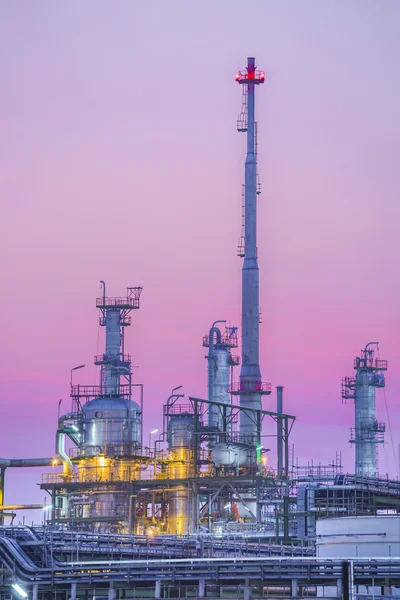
259,447
152,433
47,507
227,505
19,590
75,369
74,427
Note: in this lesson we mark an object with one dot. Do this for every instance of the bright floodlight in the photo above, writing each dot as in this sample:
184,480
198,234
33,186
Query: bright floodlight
154,431
74,427
227,505
19,590
47,507
259,447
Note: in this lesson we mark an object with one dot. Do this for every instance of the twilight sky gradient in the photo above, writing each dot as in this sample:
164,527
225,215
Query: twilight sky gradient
120,160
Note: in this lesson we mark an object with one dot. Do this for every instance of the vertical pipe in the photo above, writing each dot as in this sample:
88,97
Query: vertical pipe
279,436
286,435
195,438
53,504
141,410
73,591
195,509
2,477
286,519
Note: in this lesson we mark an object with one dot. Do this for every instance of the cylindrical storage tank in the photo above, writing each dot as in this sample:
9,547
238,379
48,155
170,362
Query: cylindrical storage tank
110,437
180,431
110,426
231,455
363,537
219,380
180,446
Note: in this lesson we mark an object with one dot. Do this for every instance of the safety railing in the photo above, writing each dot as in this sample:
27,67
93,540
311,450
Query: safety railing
370,363
127,302
97,391
248,387
245,77
112,359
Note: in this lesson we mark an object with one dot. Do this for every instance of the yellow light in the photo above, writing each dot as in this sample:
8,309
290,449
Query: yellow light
54,462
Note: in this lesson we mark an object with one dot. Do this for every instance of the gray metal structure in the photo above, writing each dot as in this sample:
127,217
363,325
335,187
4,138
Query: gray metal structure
251,387
220,362
367,432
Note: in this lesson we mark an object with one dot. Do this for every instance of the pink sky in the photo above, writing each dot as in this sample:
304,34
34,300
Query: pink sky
120,160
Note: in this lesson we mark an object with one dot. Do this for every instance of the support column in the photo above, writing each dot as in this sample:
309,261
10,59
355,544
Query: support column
202,588
294,588
246,590
157,593
73,591
195,509
35,591
339,588
387,588
111,591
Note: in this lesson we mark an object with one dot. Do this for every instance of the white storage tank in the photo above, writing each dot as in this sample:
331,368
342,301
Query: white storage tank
363,537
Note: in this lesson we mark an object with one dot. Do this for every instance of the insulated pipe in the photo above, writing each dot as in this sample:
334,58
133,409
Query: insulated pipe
23,506
103,285
5,463
370,344
60,445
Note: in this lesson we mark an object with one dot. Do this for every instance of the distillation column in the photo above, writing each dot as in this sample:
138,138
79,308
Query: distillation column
250,387
106,429
367,432
220,362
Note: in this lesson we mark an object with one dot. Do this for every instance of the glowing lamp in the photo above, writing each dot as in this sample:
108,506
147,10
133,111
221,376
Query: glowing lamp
19,590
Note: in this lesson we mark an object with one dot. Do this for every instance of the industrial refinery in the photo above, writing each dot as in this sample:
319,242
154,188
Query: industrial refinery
198,510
